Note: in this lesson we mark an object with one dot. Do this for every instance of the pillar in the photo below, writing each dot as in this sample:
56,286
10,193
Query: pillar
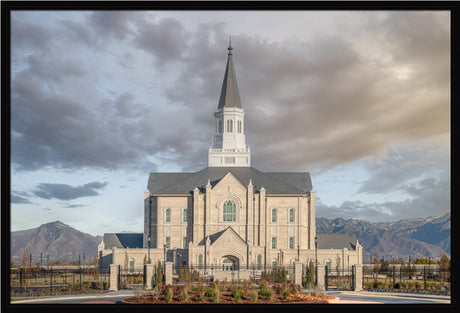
150,270
114,277
298,273
168,273
321,272
357,277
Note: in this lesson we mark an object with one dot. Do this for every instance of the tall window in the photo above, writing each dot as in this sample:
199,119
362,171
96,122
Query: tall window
168,242
291,243
230,126
259,262
274,265
168,215
273,242
239,127
200,261
291,215
229,211
184,244
185,215
273,215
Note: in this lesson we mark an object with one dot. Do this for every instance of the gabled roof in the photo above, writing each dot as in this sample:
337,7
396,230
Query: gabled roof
274,183
337,241
229,95
123,240
214,237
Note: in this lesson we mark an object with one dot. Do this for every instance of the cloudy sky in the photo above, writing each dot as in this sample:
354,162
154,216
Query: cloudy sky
361,100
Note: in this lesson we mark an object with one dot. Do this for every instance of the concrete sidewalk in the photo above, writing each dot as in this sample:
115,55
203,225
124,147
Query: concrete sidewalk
393,294
96,297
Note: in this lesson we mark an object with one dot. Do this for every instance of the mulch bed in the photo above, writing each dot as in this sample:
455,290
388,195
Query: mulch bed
225,297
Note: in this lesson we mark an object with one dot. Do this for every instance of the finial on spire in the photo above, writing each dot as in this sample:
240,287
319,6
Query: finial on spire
230,46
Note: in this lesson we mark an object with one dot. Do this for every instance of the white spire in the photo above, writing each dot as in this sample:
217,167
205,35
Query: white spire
229,146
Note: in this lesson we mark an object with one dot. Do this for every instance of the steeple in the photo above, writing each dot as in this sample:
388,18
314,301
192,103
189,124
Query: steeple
229,146
229,95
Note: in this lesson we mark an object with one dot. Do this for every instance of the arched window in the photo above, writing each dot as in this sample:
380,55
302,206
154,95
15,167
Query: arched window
291,215
168,215
239,127
259,262
229,211
230,126
185,215
273,215
219,127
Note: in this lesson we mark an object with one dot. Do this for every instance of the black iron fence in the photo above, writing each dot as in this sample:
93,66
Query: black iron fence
51,279
194,273
417,277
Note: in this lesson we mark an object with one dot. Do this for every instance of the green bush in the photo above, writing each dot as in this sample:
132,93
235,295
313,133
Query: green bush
286,294
253,296
210,292
237,294
169,295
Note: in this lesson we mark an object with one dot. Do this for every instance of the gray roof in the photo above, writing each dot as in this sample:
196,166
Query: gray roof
274,183
123,240
229,95
337,241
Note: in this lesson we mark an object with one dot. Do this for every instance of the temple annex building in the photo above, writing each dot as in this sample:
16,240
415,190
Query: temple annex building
229,216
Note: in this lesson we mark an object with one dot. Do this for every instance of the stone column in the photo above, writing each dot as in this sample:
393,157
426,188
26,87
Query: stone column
168,273
149,276
358,277
321,270
113,277
298,273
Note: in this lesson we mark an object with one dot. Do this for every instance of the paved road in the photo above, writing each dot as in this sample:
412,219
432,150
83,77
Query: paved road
109,297
386,298
345,297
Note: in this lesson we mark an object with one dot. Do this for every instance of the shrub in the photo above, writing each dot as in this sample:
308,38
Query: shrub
210,292
286,294
169,295
396,286
237,294
216,297
184,296
253,296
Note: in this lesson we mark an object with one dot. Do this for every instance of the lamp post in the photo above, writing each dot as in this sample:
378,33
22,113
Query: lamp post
298,253
148,247
164,257
316,260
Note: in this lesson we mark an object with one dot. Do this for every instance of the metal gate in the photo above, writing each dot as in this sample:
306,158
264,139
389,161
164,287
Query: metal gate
338,280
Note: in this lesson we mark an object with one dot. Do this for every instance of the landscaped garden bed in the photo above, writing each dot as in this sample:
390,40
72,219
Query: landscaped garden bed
226,293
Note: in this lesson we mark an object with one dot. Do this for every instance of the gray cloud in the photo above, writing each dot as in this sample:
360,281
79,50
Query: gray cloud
318,102
66,192
402,163
19,197
430,197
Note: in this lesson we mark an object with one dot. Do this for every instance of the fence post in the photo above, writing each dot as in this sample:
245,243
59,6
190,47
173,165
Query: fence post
20,279
149,276
424,276
298,273
114,276
321,273
357,277
168,273
51,279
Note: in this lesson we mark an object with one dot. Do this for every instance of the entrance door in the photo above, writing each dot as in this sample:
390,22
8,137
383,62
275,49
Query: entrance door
229,263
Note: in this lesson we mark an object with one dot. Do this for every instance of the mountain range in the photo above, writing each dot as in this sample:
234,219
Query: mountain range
418,238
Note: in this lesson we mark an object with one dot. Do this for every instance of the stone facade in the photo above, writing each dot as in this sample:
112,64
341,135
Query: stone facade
229,216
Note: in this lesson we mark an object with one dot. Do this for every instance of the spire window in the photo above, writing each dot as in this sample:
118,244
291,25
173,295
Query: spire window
230,126
239,127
